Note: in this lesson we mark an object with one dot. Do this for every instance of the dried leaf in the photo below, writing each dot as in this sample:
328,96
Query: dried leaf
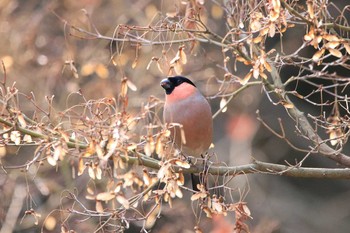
7,61
246,78
118,187
102,71
308,37
50,223
331,38
178,67
272,30
178,193
159,66
183,136
264,31
124,87
90,190
246,210
51,160
181,163
159,147
223,104
152,217
27,138
255,25
122,200
2,151
199,195
347,47
131,147
332,44
15,137
149,147
263,75
287,104
171,14
256,72
131,85
207,212
163,171
257,40
81,167
99,207
335,52
87,69
91,172
105,196
64,229
21,120
316,57
310,9
134,63
241,59
98,173
182,55
267,66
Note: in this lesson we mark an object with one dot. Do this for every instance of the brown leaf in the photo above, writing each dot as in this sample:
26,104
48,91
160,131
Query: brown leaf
87,69
347,47
331,38
131,85
98,173
81,166
102,71
335,52
27,138
287,104
50,223
272,30
246,78
124,87
223,103
181,163
105,196
159,147
21,120
15,137
182,55
257,40
122,200
199,195
2,151
91,172
316,57
99,207
51,160
310,9
178,67
332,44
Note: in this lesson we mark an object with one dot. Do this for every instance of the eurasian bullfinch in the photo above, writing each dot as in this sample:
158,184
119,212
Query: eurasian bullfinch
186,107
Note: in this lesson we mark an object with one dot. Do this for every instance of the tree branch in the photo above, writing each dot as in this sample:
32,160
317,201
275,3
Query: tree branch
257,167
301,120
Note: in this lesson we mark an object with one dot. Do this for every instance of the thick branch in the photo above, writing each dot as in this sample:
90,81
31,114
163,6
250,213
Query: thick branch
303,123
256,167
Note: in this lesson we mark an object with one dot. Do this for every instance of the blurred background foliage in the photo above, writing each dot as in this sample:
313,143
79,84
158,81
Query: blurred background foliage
45,57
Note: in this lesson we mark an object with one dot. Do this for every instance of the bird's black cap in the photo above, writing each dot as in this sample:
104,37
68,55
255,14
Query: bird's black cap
170,83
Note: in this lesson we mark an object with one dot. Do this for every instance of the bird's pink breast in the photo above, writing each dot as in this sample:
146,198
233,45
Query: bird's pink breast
181,92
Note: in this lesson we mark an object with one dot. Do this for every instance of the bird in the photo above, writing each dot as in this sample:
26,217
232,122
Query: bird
187,109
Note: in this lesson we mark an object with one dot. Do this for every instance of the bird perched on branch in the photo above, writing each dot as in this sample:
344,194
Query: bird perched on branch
190,114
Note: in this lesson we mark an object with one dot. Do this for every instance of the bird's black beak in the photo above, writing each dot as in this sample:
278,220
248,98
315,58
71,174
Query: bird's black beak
167,85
